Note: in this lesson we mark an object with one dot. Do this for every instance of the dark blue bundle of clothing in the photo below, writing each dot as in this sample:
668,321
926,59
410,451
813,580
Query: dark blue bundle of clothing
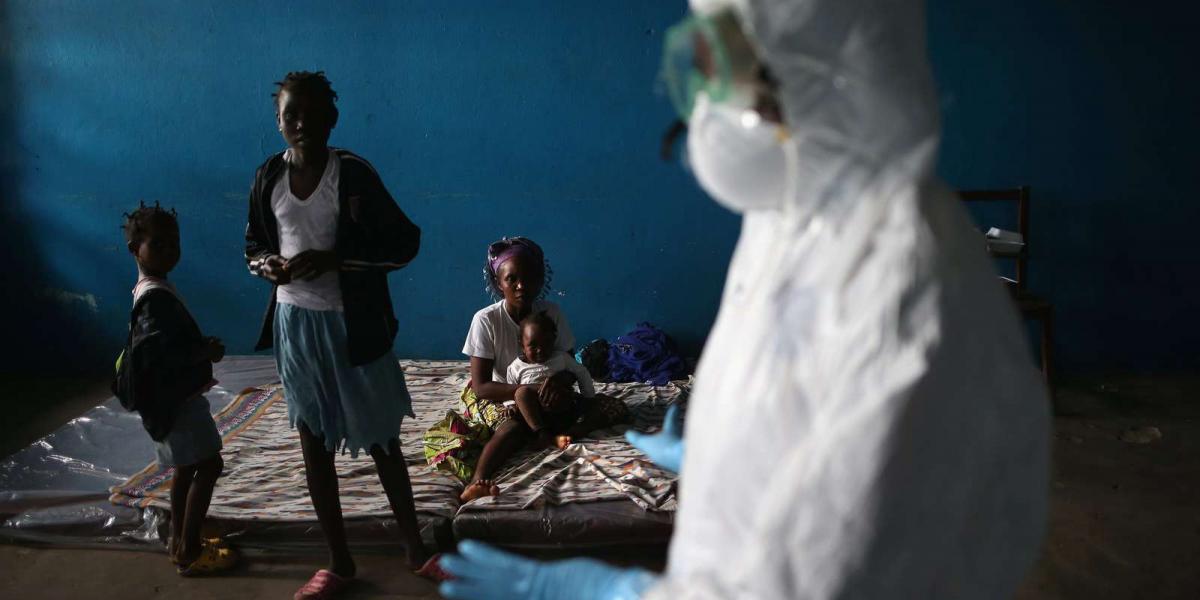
645,354
594,357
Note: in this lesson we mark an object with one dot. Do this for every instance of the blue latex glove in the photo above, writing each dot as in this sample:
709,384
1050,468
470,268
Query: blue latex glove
665,448
485,573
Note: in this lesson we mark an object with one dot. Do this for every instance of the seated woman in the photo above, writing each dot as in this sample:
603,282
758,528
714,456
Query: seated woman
516,273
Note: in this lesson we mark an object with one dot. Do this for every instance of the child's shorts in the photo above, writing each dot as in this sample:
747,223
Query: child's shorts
193,437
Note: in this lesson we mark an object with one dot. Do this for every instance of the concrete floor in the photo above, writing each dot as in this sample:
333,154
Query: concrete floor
1125,517
35,573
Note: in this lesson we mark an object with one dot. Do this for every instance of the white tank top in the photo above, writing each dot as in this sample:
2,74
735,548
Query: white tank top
307,225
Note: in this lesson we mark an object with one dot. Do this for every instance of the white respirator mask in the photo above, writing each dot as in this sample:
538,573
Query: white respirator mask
737,157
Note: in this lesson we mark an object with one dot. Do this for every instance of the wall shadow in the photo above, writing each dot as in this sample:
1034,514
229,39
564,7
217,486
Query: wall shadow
47,334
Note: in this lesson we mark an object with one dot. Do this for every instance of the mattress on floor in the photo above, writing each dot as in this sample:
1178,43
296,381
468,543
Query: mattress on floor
577,525
597,491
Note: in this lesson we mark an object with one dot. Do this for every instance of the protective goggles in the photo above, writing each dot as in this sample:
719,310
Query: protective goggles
710,54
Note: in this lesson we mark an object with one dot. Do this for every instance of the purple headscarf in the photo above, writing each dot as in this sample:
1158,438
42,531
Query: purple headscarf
509,254
504,250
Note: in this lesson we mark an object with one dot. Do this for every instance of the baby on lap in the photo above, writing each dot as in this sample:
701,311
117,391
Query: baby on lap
551,422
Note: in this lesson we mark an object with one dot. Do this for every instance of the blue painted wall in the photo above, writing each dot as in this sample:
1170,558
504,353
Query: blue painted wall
1093,104
483,118
540,118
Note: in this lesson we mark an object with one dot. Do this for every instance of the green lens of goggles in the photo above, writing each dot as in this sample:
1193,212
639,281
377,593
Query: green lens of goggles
695,60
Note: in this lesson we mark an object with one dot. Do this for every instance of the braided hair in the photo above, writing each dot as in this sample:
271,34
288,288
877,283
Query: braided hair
307,82
139,220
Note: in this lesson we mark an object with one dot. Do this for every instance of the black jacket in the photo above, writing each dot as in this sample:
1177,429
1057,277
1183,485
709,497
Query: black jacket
164,346
373,237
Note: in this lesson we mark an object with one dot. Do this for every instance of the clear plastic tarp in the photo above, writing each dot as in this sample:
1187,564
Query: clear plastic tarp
56,491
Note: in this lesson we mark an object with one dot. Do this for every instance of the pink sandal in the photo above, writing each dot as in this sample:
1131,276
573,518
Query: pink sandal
324,585
432,570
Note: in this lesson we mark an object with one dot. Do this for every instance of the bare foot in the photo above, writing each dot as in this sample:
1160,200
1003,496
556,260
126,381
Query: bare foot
479,489
173,550
562,441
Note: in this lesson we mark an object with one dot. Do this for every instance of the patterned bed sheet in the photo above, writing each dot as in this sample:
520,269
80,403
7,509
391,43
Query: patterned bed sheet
264,473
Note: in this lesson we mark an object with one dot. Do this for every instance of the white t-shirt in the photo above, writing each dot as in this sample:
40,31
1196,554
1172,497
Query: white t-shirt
309,224
526,373
495,335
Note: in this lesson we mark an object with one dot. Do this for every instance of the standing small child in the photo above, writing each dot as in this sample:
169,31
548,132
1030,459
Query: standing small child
325,232
554,424
163,374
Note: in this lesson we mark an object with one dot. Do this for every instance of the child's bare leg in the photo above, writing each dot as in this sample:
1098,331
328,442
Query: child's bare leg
507,439
321,475
530,408
198,497
179,494
393,475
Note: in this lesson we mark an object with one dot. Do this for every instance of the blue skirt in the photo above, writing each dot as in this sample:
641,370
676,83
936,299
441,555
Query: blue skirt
353,408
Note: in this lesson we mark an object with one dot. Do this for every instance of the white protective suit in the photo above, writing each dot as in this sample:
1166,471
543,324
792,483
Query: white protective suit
866,421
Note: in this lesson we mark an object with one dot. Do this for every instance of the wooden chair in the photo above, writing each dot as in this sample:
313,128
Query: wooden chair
1030,305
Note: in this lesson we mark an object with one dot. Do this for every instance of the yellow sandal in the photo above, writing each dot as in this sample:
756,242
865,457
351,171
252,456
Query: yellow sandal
215,557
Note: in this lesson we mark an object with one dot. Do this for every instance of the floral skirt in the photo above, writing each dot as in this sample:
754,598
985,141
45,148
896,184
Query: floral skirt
454,444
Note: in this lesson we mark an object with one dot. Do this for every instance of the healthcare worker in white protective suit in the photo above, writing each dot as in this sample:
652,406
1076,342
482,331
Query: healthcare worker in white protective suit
866,421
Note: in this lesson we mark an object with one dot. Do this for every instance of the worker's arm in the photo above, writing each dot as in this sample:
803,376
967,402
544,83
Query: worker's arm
482,572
